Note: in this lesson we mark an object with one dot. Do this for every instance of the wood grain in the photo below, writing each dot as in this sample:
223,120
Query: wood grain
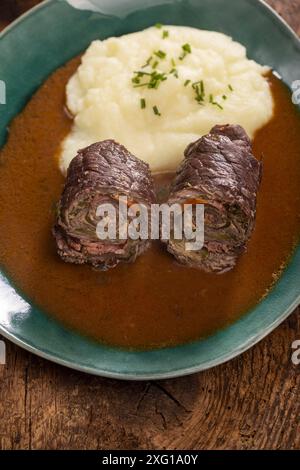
251,402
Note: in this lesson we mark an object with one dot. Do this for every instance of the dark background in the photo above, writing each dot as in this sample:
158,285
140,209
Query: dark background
251,402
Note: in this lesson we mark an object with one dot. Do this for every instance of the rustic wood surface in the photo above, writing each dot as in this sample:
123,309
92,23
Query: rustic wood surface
250,403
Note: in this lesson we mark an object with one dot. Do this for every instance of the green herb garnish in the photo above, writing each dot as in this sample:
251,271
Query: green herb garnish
155,79
143,103
158,25
173,63
187,48
155,64
156,111
230,87
165,34
135,80
187,82
174,72
224,97
147,62
199,89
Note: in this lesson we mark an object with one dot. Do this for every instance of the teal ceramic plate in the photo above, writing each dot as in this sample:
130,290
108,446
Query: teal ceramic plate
48,36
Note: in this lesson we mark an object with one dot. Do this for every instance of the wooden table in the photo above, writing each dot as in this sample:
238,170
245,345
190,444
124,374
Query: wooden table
251,402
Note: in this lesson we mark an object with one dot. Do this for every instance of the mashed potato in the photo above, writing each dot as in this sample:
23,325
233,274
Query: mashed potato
156,124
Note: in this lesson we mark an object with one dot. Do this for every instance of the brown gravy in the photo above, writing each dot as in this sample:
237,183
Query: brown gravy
153,302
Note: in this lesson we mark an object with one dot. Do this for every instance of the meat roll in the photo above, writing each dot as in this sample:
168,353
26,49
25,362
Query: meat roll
100,174
219,171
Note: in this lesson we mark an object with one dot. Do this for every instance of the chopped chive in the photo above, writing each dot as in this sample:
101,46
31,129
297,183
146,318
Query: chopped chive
202,87
155,79
187,48
158,25
160,54
224,97
173,62
199,89
214,103
141,73
156,111
187,82
174,72
230,87
143,103
165,34
155,64
140,85
147,62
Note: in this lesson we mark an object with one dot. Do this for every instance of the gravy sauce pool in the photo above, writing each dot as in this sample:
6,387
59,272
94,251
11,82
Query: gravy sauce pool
154,302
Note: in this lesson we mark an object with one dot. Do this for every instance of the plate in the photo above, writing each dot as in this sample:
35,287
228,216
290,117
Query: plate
44,39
